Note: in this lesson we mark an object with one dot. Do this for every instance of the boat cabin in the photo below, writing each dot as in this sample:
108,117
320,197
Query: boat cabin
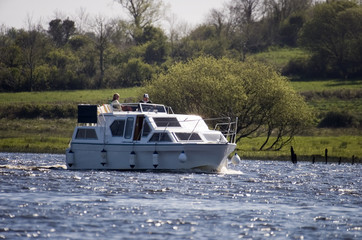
141,123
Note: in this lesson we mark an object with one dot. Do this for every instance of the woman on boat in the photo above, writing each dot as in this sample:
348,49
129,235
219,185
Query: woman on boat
115,103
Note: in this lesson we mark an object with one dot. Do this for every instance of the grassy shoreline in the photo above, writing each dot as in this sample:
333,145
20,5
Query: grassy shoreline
307,148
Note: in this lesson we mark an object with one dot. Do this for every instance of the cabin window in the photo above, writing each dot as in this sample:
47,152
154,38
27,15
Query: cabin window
160,137
188,136
117,128
146,129
167,122
129,128
214,137
86,133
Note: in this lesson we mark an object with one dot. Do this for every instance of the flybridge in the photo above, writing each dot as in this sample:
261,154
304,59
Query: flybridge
136,107
147,136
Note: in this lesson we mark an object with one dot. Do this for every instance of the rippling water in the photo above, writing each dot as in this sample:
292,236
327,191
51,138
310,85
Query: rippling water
255,200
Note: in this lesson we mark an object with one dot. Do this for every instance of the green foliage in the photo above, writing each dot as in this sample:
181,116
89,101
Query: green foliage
334,36
33,45
251,91
290,28
33,62
135,72
155,45
338,120
77,42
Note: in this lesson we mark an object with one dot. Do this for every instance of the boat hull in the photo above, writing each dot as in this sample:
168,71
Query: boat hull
208,157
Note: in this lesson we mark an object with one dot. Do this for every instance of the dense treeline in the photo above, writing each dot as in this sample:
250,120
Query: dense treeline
113,53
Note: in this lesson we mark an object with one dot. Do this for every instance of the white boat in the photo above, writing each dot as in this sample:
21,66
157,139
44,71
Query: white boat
147,137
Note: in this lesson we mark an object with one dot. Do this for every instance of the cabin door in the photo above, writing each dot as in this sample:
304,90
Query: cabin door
138,128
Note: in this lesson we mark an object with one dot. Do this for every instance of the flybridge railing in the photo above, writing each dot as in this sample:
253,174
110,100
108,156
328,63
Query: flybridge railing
136,107
224,125
228,129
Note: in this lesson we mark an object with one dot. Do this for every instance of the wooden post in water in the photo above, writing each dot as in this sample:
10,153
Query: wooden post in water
326,155
313,159
293,156
352,159
340,160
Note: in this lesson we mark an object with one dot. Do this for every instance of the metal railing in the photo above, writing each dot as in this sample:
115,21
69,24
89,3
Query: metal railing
228,129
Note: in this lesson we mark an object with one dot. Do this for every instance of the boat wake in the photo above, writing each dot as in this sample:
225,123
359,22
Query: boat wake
34,168
223,170
228,171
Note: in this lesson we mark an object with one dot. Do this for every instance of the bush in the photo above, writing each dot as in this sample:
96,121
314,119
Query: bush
297,66
305,67
338,120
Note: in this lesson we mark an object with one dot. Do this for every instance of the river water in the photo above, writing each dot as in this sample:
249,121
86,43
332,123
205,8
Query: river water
40,199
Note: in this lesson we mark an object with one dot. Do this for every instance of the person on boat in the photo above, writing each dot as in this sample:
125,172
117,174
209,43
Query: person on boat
146,99
115,103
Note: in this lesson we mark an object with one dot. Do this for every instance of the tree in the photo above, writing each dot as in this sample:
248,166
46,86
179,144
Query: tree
10,61
244,14
276,12
153,45
261,99
290,28
103,34
143,12
61,31
246,11
33,48
282,9
334,36
284,120
176,31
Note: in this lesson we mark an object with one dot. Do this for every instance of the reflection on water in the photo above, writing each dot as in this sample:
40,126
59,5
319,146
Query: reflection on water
255,200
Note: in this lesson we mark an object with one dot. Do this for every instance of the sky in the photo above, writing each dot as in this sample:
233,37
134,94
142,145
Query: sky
16,13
